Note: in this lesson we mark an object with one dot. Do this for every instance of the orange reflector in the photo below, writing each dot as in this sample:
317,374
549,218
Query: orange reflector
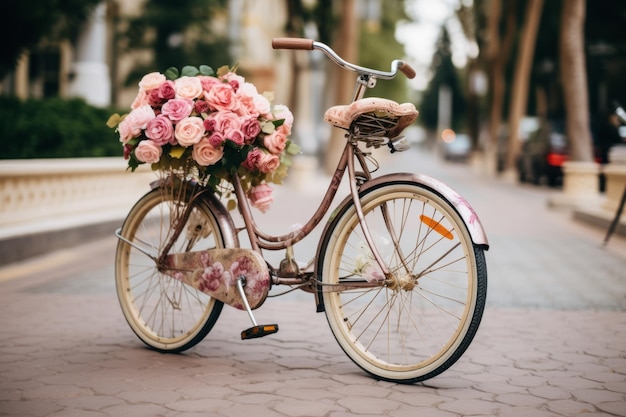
436,226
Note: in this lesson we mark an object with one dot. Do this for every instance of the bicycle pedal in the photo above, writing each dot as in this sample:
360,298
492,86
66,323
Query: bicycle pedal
259,331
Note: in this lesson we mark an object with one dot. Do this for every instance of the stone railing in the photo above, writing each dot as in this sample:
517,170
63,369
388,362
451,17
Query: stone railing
46,195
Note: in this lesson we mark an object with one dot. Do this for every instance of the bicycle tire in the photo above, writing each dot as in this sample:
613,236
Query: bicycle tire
164,313
419,325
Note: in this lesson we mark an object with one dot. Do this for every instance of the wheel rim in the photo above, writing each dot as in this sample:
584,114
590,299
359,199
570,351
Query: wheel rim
408,328
164,313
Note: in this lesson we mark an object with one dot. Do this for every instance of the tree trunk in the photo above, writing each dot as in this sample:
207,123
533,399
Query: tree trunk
574,80
497,57
347,47
519,94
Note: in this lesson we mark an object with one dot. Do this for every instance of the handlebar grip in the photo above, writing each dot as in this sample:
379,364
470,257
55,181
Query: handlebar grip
292,43
407,70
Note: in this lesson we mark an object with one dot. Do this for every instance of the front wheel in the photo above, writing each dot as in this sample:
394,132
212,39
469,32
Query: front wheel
415,324
164,313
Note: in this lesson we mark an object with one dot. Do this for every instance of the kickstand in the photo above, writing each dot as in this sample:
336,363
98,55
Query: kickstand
256,330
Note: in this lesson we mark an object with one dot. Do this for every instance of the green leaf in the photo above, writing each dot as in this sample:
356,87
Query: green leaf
177,152
293,149
231,205
223,70
278,123
133,162
268,128
206,70
114,120
171,73
189,71
134,141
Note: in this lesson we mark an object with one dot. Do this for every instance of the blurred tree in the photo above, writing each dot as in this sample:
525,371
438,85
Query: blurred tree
378,47
27,22
574,77
445,75
521,79
178,33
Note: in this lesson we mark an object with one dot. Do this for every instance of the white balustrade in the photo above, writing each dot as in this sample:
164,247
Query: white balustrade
52,194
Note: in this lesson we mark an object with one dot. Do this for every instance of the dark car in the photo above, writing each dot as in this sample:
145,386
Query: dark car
543,154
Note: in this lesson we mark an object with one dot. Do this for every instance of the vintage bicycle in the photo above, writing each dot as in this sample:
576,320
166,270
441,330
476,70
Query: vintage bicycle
399,270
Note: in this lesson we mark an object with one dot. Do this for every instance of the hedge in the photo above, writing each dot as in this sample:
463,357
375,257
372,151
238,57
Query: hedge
55,128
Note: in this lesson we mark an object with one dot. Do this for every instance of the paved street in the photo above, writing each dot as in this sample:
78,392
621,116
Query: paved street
552,341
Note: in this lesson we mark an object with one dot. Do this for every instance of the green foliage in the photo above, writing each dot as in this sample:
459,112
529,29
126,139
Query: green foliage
444,73
378,47
55,128
35,20
176,32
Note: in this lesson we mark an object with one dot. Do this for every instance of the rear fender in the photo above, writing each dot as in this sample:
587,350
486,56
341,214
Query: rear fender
222,216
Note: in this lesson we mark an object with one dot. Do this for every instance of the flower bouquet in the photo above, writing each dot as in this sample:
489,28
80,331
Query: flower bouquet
206,126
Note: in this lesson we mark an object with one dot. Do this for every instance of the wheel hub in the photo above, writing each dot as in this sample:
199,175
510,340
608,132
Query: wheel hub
403,281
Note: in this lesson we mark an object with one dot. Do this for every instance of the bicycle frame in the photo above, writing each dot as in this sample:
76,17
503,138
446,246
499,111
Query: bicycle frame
260,240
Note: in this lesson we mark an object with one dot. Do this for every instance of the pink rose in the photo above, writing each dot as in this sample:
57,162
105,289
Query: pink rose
235,135
136,120
151,81
225,121
201,106
127,150
167,91
252,159
208,82
283,112
206,154
154,100
126,131
234,84
209,125
221,97
188,87
160,130
232,77
216,139
177,109
261,197
262,104
189,131
268,163
250,128
148,151
140,100
246,95
276,142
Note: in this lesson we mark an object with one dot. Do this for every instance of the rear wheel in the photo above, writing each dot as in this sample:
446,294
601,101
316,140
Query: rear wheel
164,313
419,322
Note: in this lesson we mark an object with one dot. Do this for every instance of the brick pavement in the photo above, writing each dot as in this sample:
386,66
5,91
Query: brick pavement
552,342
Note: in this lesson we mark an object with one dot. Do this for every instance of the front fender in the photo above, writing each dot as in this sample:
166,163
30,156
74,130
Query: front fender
467,213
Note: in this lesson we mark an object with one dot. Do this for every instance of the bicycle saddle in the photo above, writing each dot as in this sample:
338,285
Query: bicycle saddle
372,116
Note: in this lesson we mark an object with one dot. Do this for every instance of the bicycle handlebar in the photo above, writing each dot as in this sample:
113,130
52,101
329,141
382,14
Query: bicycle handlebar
310,44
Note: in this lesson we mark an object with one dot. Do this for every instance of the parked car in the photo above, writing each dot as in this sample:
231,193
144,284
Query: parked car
528,126
543,154
456,147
